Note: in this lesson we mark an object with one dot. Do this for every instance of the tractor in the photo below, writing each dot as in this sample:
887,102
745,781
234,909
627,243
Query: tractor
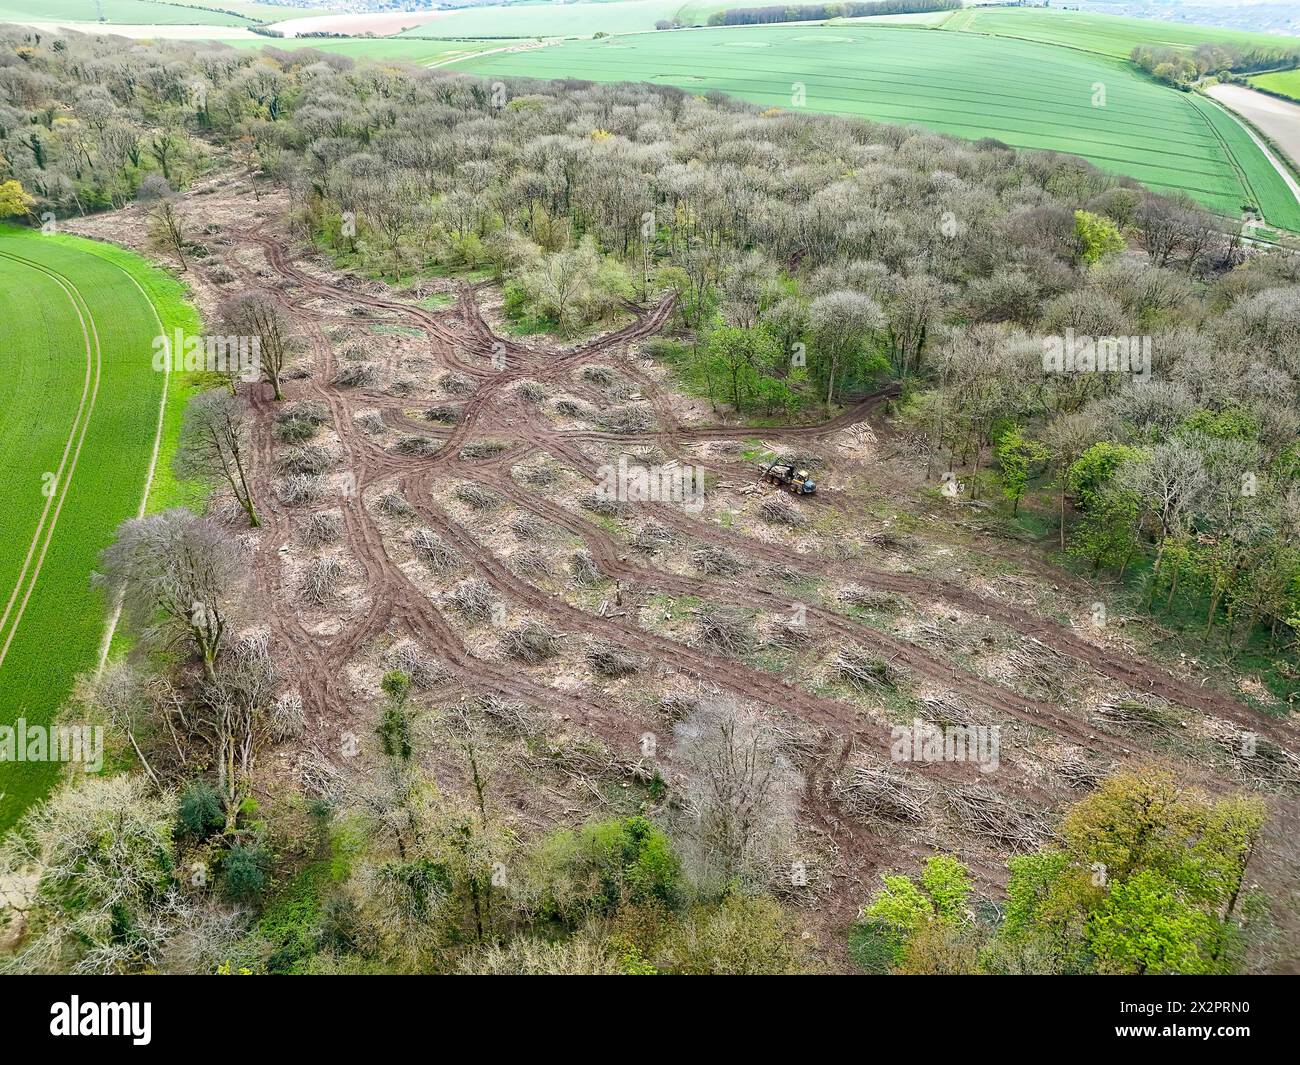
784,475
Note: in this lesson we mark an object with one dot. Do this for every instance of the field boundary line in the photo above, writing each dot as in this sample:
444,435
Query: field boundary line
64,483
115,615
1287,173
1283,171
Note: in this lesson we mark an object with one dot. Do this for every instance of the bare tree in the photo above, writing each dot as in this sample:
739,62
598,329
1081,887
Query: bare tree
166,221
741,794
103,855
257,315
177,577
231,715
122,695
1169,481
214,442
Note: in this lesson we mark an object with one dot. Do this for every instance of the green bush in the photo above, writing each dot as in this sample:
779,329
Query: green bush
605,865
199,811
245,873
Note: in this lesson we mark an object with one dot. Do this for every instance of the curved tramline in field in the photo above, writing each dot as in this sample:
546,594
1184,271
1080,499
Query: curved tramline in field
81,423
1023,93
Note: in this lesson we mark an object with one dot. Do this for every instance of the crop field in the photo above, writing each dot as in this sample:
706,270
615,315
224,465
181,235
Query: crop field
79,416
1111,35
146,12
564,20
1283,82
1026,94
404,49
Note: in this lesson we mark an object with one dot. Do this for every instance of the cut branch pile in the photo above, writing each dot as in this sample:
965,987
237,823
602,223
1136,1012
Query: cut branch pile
299,489
444,413
321,579
423,670
875,791
483,449
990,814
476,496
726,628
287,719
419,446
569,407
357,375
715,561
866,672
869,598
583,569
612,661
456,384
530,643
603,505
435,552
395,505
321,528
653,536
473,598
777,510
630,418
531,564
1133,715
310,458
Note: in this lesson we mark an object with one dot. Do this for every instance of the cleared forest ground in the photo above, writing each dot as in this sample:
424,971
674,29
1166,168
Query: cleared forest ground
460,515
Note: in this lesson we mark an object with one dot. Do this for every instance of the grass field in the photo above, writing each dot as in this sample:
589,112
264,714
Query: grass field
406,49
81,401
564,20
147,12
1284,82
1027,94
1111,35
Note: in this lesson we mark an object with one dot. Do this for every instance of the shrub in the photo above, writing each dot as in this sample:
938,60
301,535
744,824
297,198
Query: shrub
605,865
199,810
246,871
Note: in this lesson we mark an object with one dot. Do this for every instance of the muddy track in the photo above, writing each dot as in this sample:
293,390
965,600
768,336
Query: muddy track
460,340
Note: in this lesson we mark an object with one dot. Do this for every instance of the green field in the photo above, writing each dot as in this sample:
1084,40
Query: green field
148,12
1111,35
1283,82
77,322
564,20
1029,95
405,49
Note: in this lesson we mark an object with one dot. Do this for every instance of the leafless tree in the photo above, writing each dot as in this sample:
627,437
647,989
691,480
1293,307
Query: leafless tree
741,796
257,315
214,442
167,222
231,715
841,322
177,577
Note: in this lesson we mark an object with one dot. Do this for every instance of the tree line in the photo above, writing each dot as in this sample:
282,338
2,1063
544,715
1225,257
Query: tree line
758,16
